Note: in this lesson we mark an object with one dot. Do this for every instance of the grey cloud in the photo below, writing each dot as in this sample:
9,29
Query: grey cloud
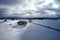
3,12
54,9
58,15
49,8
10,2
57,1
42,12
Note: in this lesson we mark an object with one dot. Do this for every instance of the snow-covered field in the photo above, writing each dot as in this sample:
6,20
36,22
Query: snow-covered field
31,31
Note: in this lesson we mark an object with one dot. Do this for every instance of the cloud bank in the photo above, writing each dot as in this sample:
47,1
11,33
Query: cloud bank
30,8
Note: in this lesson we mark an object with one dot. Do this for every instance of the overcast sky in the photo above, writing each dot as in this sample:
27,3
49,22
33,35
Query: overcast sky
30,8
